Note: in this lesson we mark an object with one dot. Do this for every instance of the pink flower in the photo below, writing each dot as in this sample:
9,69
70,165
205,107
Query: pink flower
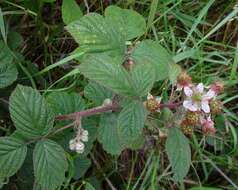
207,126
197,98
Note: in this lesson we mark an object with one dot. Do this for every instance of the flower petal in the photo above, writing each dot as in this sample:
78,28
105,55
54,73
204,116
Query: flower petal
149,96
200,88
158,99
209,95
205,106
188,91
188,104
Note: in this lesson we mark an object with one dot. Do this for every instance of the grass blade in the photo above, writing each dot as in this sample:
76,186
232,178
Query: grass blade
235,65
2,27
218,26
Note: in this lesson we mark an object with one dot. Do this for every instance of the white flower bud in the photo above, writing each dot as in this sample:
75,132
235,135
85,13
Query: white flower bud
85,133
80,151
72,144
84,138
107,102
79,146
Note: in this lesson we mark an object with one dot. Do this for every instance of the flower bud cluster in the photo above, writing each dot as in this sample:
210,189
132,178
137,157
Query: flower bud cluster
77,144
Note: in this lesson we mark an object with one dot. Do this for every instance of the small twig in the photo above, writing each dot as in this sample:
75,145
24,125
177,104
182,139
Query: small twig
221,172
4,101
51,134
86,5
61,129
104,175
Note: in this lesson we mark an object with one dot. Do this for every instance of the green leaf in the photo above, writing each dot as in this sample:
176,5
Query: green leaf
131,120
50,164
2,26
129,22
12,155
102,69
97,93
65,103
14,40
81,166
88,186
30,113
151,52
174,71
8,70
26,173
112,139
134,143
108,134
179,153
95,34
70,11
143,77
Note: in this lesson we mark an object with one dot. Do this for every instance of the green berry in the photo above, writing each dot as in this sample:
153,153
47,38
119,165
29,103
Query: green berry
192,118
216,106
186,128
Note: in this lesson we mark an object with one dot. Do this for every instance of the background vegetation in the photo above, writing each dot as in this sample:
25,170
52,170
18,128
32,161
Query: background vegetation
202,37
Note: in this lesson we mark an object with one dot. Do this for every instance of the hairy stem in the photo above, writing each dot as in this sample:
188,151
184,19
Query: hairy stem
88,112
103,109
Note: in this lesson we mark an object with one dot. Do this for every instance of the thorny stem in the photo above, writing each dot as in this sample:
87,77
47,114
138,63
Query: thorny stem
88,112
103,109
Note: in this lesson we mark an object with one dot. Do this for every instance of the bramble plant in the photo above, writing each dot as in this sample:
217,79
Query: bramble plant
121,72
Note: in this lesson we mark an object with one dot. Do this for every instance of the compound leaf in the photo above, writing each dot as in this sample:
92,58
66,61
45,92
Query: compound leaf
143,77
65,103
12,155
151,52
81,166
50,164
95,34
179,153
108,134
102,69
97,93
129,22
8,70
131,120
30,113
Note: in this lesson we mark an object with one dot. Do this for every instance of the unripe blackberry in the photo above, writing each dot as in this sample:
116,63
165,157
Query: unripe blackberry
217,87
184,79
192,118
216,106
186,128
152,105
